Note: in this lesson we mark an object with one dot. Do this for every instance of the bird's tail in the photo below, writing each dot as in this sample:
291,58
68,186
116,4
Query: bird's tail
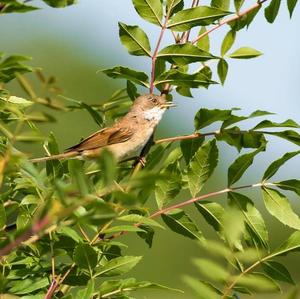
55,157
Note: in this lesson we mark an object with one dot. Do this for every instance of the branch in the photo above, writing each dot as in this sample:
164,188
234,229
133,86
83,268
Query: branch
233,18
35,229
185,137
190,201
154,56
251,267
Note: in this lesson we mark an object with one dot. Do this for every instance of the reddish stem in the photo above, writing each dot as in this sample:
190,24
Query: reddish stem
223,22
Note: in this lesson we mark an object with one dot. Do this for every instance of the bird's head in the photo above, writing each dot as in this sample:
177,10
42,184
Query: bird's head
152,107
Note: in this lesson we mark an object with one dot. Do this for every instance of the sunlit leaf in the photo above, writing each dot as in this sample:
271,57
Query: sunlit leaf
150,10
254,221
202,166
182,54
222,70
134,39
245,53
228,42
273,168
278,206
197,16
118,266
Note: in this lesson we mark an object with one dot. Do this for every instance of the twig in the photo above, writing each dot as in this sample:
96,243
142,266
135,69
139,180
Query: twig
233,18
154,56
35,229
190,201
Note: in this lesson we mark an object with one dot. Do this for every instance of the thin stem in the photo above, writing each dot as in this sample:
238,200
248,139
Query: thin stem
251,267
233,18
190,201
185,137
154,56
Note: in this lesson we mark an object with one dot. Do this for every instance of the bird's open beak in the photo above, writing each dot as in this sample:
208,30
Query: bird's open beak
167,105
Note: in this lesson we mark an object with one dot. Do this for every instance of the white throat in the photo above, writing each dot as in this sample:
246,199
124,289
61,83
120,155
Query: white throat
154,114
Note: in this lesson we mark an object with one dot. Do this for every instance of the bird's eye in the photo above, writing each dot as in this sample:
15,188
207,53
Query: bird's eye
154,100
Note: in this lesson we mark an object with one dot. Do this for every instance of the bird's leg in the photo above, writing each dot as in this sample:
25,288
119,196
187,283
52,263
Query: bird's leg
142,157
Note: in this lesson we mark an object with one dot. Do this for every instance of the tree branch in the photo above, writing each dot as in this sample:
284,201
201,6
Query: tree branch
233,18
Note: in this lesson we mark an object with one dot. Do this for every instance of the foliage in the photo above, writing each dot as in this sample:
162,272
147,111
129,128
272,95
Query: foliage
60,222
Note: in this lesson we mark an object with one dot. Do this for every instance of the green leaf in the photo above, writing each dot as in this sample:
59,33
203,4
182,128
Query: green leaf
197,16
245,53
238,139
278,206
121,228
189,147
78,176
257,282
228,42
222,4
238,4
232,224
235,118
70,232
174,6
86,293
169,185
203,43
212,213
203,289
134,39
240,165
12,65
139,219
176,77
121,286
277,271
292,185
182,54
222,70
255,224
179,222
108,166
273,168
118,266
85,256
93,113
13,6
291,6
272,10
60,3
289,135
2,215
202,166
19,102
149,10
121,72
147,234
292,244
29,285
205,117
211,270
131,90
269,124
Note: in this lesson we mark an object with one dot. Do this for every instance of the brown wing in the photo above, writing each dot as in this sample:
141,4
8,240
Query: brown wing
102,138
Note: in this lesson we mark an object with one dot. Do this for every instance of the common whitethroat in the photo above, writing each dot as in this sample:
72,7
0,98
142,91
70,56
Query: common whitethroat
126,138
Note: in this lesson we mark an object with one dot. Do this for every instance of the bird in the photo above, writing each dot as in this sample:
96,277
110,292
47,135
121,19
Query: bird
126,138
